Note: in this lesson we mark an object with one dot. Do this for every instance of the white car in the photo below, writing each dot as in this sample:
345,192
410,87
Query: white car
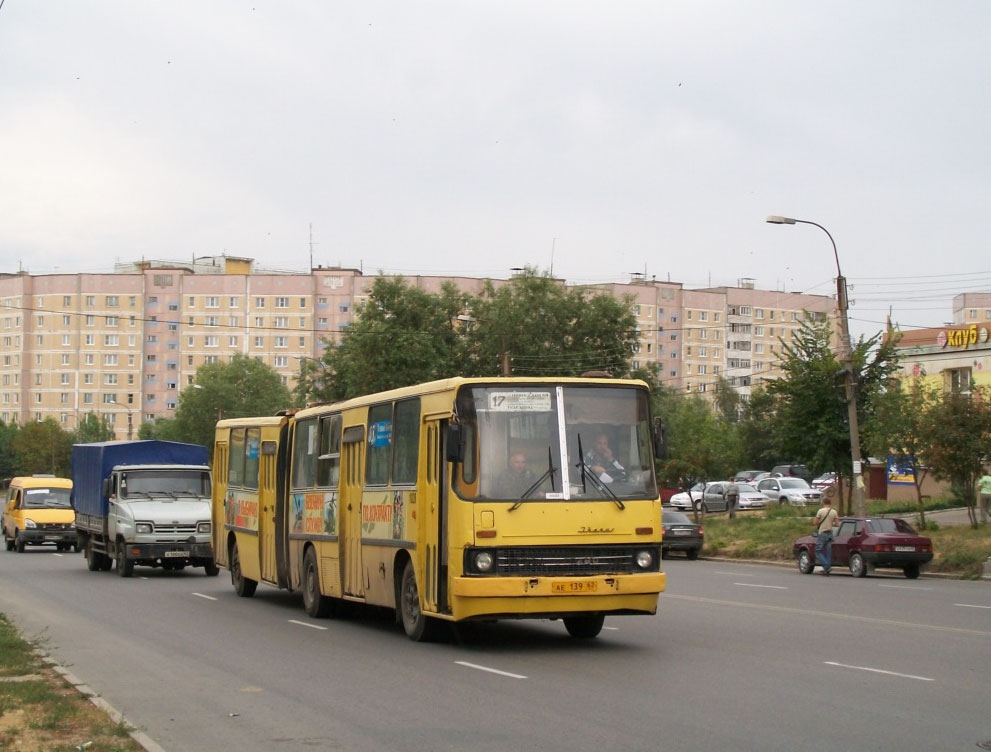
750,497
686,500
794,491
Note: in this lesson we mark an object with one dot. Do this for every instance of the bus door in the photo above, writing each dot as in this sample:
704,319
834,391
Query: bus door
432,529
266,503
352,481
277,452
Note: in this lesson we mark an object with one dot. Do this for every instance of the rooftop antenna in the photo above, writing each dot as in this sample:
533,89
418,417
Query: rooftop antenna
311,246
553,243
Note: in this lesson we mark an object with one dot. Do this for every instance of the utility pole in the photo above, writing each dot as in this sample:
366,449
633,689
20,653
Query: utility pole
843,305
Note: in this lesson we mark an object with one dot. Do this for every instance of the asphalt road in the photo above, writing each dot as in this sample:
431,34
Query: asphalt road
738,657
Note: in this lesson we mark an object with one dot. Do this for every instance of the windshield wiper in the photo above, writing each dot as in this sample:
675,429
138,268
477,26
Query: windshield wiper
596,481
548,473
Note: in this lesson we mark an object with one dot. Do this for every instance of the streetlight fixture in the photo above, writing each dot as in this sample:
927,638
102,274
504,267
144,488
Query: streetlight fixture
842,302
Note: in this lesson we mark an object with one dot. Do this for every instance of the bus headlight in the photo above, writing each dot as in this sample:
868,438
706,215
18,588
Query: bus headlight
484,561
143,528
644,559
203,528
28,522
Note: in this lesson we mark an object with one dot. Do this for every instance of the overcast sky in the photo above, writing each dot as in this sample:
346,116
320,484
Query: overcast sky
594,138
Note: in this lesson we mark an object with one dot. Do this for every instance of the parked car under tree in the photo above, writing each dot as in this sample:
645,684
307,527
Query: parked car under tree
864,543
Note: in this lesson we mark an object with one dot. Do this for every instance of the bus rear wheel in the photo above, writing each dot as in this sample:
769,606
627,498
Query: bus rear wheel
584,627
419,627
315,604
242,585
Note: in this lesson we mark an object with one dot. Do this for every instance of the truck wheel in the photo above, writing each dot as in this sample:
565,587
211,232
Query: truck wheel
92,558
242,585
125,566
419,627
211,569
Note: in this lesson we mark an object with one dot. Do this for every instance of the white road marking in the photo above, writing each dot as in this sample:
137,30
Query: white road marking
823,614
906,587
208,597
612,629
735,574
879,671
969,605
770,587
306,624
490,670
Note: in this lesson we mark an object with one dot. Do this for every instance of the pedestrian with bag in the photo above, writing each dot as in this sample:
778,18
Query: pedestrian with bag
732,498
826,519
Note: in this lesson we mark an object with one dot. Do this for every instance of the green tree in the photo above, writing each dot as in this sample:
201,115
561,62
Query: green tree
7,463
810,420
400,336
958,434
92,428
242,387
535,326
727,401
756,430
702,445
42,447
898,426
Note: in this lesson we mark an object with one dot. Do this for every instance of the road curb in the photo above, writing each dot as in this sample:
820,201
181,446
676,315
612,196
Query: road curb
146,742
986,577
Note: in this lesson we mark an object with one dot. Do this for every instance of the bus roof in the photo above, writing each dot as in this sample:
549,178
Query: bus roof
452,384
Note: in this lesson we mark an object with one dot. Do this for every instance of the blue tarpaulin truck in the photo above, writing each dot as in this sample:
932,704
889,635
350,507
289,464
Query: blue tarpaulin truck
143,502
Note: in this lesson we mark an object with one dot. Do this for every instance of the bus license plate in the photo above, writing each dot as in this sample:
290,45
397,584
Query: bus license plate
574,587
176,554
53,537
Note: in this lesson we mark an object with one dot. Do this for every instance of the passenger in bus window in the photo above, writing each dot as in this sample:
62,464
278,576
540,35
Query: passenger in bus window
601,461
515,479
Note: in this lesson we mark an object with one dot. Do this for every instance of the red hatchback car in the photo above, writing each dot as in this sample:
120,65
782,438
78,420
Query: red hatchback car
863,543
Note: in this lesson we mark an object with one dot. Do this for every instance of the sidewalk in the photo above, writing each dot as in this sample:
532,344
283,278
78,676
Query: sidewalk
957,516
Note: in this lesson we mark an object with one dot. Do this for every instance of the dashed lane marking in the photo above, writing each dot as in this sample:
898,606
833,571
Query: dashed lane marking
490,670
307,624
879,671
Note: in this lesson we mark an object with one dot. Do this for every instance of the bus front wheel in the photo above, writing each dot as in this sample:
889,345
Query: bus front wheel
419,627
584,627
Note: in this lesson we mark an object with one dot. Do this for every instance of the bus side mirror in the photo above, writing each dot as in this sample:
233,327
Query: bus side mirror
454,443
660,440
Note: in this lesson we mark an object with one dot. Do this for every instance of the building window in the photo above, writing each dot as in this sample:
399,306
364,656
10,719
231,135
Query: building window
259,302
212,302
281,342
113,301
282,302
192,302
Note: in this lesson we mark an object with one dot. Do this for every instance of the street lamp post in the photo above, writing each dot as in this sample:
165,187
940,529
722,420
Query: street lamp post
843,304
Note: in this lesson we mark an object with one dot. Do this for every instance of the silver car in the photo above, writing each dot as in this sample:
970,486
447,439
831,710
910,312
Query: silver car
794,491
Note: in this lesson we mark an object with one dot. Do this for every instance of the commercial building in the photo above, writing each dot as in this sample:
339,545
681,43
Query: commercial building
124,345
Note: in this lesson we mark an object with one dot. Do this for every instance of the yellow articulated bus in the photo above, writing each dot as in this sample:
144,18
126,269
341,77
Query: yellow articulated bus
456,500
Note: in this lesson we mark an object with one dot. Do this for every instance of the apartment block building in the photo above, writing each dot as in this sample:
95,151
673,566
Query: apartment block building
124,345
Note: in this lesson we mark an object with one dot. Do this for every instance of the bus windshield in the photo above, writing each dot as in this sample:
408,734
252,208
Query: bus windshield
552,442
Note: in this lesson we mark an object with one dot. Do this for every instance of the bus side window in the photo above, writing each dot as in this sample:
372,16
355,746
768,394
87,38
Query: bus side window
406,445
304,454
235,468
379,445
329,460
252,452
